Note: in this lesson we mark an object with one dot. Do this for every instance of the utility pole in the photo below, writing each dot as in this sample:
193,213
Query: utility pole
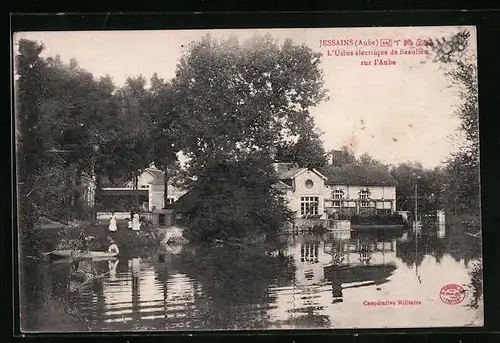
416,206
93,185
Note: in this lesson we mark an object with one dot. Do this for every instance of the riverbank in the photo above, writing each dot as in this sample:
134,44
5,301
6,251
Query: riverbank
52,237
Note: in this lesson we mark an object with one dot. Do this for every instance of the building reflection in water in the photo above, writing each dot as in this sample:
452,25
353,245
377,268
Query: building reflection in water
301,283
359,262
324,268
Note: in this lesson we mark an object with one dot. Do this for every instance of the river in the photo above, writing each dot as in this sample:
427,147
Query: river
290,282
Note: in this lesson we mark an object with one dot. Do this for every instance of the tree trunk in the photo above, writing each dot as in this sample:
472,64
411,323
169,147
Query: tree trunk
96,200
165,187
78,193
136,192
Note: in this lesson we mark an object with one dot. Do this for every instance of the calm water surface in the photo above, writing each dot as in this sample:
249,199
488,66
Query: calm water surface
296,282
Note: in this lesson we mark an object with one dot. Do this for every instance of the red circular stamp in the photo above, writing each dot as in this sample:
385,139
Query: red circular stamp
452,294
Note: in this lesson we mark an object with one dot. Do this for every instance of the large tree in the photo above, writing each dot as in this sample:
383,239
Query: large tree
165,138
306,151
238,101
56,119
132,147
29,138
454,53
429,183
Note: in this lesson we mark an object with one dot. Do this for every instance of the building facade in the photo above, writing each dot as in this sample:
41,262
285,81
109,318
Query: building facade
150,189
347,190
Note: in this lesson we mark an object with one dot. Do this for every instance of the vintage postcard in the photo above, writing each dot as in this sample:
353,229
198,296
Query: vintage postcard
248,179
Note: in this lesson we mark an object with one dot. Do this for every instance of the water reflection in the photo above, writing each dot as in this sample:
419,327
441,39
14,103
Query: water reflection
288,282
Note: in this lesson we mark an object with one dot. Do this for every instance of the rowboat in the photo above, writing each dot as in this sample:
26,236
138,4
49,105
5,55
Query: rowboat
95,255
66,260
476,235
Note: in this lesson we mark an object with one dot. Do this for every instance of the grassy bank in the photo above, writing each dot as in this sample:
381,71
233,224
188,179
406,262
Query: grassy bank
50,238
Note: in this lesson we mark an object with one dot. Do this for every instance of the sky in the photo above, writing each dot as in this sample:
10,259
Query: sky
396,113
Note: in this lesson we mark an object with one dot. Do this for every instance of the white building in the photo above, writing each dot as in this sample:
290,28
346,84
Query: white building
150,187
350,189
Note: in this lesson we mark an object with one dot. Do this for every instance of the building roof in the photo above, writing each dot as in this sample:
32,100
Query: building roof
289,174
188,201
359,175
158,180
281,185
155,172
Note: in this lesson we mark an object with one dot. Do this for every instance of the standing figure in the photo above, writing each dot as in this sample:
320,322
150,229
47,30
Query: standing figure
112,222
136,225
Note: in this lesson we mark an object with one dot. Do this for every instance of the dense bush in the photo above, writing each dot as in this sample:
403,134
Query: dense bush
318,230
129,238
391,219
476,275
234,200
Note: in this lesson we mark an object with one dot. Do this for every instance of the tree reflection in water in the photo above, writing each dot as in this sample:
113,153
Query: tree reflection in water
297,282
235,282
456,243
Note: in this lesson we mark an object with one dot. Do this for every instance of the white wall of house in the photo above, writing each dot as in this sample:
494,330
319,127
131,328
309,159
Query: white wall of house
301,190
156,195
143,181
380,197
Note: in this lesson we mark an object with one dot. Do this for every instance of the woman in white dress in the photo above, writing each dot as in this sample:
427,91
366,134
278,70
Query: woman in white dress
136,225
112,222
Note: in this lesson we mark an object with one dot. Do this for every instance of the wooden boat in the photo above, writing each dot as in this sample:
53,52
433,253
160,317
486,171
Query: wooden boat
476,235
66,260
94,255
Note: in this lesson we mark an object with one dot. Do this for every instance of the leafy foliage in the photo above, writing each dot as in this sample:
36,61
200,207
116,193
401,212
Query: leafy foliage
236,102
462,187
242,100
476,275
235,199
429,182
307,151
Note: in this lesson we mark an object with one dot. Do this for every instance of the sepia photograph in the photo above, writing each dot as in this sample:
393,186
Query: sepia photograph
247,179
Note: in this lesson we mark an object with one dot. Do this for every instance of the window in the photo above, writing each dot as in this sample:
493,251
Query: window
144,186
309,184
170,200
309,205
309,253
337,195
364,196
